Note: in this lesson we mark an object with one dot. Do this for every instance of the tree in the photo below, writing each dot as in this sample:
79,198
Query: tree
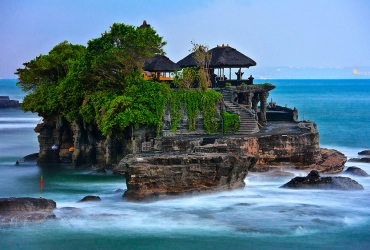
42,76
202,57
186,78
120,54
191,76
118,95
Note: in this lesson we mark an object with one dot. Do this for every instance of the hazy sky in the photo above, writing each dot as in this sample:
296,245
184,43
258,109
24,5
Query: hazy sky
272,32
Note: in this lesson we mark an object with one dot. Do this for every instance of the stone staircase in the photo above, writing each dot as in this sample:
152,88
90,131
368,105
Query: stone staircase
248,124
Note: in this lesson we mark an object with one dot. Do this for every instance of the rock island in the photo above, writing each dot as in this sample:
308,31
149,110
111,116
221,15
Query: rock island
198,125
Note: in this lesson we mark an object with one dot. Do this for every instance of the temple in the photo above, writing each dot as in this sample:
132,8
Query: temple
159,68
223,57
172,159
240,95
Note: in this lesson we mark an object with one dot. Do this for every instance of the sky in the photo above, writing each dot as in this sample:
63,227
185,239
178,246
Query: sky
274,33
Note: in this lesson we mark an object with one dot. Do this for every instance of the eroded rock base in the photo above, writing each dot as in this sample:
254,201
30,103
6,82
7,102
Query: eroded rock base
159,176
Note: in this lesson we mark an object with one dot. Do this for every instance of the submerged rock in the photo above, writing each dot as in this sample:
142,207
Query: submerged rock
120,190
99,170
90,198
356,171
13,210
314,181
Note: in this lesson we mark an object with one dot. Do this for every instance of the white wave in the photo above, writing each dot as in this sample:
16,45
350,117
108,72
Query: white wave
16,125
18,119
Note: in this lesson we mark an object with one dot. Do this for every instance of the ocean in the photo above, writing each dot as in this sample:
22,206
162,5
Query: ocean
261,216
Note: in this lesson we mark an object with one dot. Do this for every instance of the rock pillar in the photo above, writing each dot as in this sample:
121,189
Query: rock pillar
263,107
255,101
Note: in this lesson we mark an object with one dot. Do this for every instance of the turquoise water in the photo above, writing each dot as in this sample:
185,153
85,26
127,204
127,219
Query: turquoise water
339,107
261,216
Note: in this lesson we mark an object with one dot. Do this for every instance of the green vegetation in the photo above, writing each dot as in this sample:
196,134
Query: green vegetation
195,101
228,84
102,84
186,78
230,120
262,84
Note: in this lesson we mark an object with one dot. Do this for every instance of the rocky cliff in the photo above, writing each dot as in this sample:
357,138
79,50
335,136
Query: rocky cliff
173,164
78,144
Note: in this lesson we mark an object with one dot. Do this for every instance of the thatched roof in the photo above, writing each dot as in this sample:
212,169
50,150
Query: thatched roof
222,57
145,25
160,64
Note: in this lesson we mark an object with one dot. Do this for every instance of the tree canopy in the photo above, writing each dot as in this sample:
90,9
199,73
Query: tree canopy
102,83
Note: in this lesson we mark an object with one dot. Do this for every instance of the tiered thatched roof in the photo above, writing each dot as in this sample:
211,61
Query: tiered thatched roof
160,64
222,57
145,25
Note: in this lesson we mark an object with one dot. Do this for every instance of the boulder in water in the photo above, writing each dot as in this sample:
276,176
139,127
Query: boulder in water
14,210
26,204
363,159
332,161
314,181
364,152
356,171
90,198
30,158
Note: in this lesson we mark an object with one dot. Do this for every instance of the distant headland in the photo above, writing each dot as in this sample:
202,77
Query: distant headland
5,102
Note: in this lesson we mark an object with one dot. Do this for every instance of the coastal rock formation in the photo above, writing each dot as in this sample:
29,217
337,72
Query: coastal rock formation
314,181
356,171
78,144
158,176
292,143
25,209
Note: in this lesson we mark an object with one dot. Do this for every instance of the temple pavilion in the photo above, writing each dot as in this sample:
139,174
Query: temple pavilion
159,68
224,57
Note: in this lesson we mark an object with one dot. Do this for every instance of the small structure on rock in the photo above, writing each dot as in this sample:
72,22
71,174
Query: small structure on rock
223,57
159,68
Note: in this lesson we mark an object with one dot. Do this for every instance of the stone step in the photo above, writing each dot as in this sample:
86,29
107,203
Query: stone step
247,123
